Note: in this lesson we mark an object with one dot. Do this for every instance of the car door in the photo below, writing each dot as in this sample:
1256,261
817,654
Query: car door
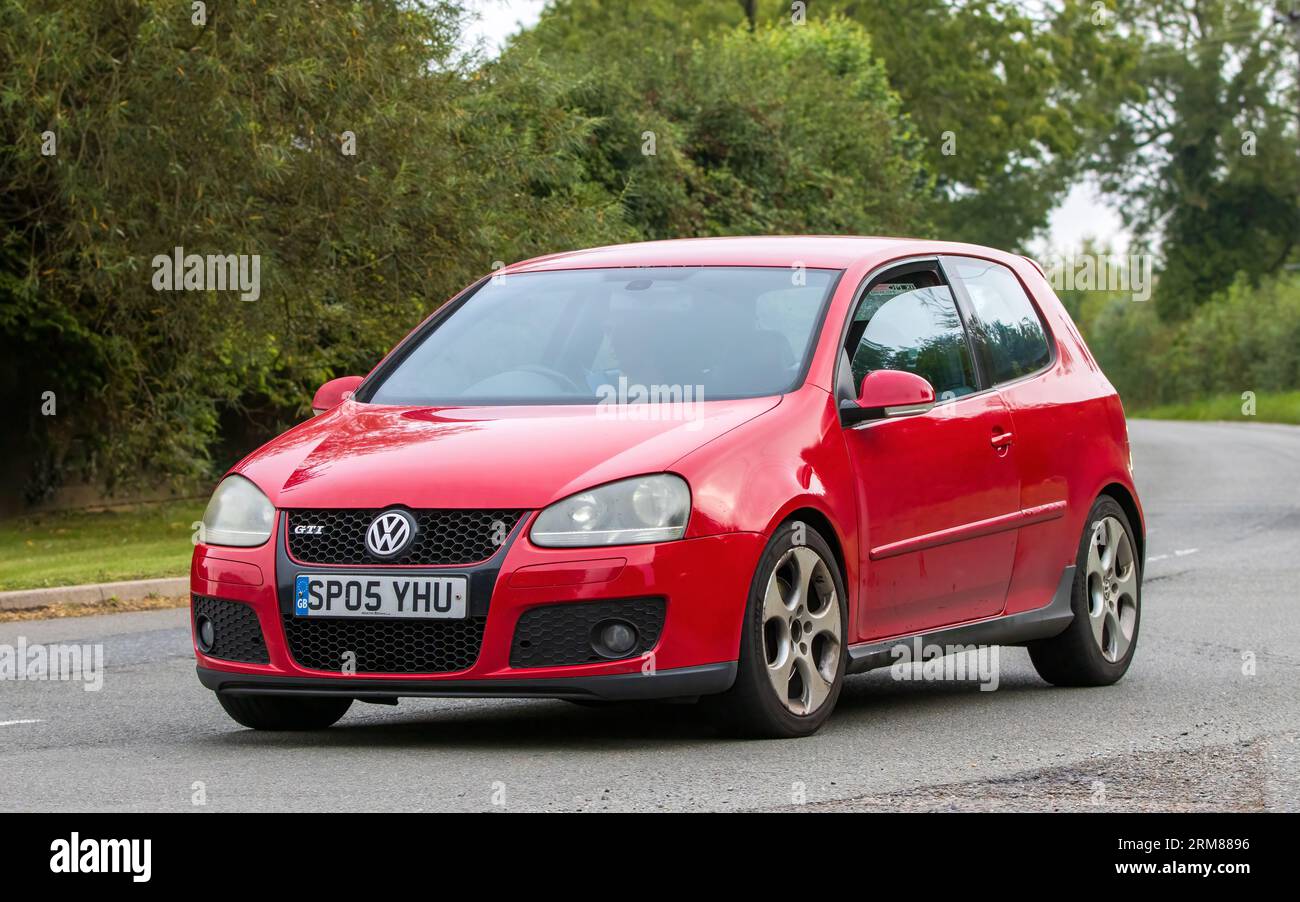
1015,349
936,490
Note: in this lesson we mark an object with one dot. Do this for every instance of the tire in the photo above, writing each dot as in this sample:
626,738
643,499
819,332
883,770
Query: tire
1097,648
275,712
771,647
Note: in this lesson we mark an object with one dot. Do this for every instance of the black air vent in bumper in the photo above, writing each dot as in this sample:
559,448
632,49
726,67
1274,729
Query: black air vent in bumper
238,635
384,646
558,634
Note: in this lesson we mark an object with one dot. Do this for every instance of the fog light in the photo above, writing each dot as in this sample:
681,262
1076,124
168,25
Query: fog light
206,633
615,638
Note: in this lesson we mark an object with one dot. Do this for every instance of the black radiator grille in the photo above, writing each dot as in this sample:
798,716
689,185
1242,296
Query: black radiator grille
384,646
443,537
238,636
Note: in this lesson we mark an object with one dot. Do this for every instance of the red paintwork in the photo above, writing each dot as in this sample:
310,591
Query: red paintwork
225,571
892,388
567,573
942,474
966,512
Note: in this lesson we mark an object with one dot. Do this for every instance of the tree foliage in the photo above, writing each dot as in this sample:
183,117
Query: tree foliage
1204,157
1002,103
782,130
227,138
1243,339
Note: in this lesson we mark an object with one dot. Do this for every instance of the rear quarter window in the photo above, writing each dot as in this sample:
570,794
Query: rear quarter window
1008,330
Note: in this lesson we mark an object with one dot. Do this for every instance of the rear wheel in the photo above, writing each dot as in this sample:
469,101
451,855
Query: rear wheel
278,712
792,647
1098,646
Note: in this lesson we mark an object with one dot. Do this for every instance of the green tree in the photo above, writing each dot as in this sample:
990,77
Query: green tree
732,132
1204,158
231,136
1003,99
1008,97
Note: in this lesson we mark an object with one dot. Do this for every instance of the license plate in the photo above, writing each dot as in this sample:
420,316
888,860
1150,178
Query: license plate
341,595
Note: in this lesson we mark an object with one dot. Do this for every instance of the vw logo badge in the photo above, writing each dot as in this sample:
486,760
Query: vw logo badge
390,533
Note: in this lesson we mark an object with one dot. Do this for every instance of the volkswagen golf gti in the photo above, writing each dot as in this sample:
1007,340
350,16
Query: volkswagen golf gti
732,470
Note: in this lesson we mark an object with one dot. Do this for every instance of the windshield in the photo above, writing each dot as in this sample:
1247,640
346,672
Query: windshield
626,335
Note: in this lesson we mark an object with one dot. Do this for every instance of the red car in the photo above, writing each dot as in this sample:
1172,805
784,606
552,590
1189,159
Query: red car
733,469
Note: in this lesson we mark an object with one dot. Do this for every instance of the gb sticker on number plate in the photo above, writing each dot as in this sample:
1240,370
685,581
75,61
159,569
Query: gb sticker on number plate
300,595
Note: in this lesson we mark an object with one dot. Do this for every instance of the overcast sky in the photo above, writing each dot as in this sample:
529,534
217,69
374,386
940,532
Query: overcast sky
1082,215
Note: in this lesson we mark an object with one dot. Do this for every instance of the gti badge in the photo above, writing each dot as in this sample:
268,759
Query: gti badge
390,533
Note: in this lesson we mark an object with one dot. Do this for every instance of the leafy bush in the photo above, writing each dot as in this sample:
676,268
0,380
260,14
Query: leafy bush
783,130
1244,339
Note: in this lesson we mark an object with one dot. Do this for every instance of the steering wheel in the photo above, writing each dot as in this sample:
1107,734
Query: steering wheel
554,375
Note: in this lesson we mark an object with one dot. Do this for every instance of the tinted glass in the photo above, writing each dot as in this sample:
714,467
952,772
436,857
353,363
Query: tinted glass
585,336
1008,327
918,331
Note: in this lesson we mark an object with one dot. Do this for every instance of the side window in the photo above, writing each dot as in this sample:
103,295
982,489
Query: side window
917,330
1008,328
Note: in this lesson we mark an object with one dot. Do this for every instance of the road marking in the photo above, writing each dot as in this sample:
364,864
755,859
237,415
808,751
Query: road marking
1160,557
14,723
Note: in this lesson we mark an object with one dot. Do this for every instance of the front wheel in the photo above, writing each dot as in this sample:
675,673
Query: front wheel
1097,647
793,651
277,712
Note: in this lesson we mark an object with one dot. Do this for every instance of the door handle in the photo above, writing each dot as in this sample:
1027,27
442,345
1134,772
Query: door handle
1002,440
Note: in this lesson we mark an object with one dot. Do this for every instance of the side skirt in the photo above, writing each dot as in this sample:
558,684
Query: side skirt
1014,629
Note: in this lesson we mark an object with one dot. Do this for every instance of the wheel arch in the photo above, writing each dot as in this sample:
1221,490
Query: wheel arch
1125,498
819,521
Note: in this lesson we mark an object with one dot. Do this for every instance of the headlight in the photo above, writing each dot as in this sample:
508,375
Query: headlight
238,514
630,512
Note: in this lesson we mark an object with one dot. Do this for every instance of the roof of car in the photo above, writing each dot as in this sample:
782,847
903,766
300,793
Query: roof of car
812,251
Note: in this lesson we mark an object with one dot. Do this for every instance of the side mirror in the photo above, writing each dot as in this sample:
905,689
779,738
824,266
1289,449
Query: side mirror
334,393
886,394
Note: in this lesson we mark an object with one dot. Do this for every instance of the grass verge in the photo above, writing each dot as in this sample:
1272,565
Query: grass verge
1270,407
144,541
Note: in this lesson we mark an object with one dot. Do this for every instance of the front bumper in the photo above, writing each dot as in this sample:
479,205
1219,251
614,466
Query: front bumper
703,582
679,682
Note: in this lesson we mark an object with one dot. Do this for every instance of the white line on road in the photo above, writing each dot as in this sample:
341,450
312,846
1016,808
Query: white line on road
1183,553
14,723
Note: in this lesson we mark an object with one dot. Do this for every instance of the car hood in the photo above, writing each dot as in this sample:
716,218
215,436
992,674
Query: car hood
371,456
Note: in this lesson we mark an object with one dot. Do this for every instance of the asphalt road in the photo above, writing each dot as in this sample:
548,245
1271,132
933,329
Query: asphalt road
1208,717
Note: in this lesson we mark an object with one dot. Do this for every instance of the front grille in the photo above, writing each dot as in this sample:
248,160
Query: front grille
443,537
237,634
385,646
558,634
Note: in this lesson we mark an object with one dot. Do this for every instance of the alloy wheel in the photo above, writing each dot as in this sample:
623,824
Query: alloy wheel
1112,588
801,630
